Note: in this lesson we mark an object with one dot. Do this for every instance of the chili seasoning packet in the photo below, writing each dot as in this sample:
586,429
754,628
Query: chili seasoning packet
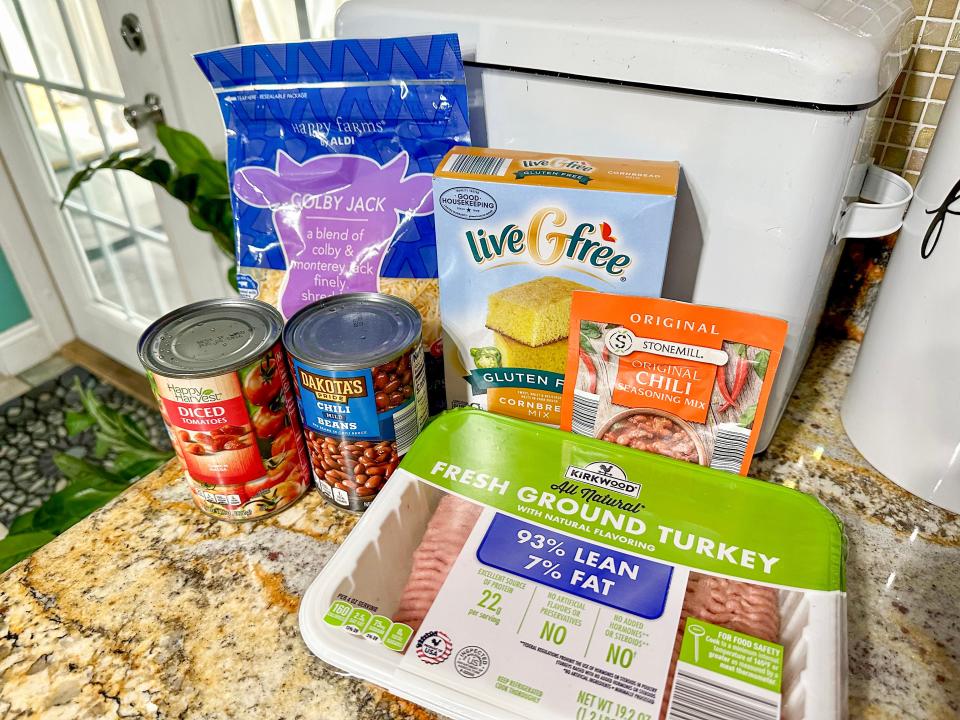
331,148
687,381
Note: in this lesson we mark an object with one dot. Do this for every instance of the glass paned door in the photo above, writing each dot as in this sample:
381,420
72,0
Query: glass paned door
284,20
62,80
60,67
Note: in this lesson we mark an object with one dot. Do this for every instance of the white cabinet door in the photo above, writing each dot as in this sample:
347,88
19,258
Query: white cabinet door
120,250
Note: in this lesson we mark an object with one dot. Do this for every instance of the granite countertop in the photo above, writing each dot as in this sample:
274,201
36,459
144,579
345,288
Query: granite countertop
149,609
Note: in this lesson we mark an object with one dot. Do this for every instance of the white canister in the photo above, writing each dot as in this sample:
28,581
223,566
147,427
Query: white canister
902,407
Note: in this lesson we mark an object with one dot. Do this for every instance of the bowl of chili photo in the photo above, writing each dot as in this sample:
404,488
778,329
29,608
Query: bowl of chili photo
655,431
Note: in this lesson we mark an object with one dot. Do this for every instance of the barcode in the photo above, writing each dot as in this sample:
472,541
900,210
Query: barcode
584,412
477,165
409,421
420,388
730,447
696,698
406,427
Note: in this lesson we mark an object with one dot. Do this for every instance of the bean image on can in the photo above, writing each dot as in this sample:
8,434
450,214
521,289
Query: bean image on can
221,379
359,378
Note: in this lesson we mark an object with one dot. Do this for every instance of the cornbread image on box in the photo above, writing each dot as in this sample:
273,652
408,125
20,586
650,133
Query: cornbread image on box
530,322
517,233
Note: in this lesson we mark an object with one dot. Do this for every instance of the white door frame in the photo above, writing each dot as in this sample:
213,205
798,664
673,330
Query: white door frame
34,249
48,328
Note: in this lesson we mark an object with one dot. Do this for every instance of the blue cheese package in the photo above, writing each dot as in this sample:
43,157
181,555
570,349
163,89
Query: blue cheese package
331,147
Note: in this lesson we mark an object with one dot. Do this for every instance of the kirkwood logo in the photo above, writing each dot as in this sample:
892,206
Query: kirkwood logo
604,475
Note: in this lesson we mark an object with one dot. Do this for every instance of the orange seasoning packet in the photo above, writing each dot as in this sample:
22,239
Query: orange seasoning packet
687,381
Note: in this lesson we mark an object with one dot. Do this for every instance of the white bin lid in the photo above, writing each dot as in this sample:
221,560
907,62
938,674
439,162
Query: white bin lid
822,52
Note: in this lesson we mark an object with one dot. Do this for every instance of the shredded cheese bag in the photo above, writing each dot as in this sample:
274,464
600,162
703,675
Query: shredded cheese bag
331,147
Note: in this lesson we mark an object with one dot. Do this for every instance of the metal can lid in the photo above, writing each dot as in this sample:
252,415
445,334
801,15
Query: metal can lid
209,337
352,331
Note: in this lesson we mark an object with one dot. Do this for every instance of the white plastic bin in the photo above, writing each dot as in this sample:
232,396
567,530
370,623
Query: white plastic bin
772,108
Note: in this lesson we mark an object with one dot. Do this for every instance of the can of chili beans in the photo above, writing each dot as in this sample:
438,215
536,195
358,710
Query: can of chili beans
360,382
220,376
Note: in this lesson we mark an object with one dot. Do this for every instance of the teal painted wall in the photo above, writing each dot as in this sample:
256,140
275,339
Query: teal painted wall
13,308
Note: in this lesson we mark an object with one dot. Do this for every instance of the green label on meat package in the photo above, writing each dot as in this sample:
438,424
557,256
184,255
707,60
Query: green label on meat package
645,504
733,654
377,628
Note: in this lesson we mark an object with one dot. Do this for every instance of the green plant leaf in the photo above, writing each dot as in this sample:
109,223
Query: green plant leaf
760,362
746,418
158,172
217,213
78,470
90,485
66,508
213,178
101,447
22,523
115,431
184,187
185,149
135,469
223,240
195,178
144,164
15,548
134,430
77,422
740,349
81,176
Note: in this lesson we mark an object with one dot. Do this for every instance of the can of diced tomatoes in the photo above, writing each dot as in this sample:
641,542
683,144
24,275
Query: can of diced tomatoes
221,380
359,377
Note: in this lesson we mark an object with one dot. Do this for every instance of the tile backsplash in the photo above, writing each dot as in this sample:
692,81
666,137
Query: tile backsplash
919,94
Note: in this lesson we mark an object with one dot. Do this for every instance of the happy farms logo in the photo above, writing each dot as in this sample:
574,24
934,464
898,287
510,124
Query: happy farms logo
434,647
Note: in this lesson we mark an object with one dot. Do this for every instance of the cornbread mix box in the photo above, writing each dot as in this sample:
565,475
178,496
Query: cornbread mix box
510,570
682,380
517,233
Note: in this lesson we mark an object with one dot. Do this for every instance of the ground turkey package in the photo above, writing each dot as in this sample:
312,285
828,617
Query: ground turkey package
331,147
687,381
516,571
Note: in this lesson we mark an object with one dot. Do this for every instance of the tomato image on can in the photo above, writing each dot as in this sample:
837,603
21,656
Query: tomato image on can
358,372
220,376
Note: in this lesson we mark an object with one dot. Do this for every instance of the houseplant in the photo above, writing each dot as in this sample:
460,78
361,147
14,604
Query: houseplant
191,175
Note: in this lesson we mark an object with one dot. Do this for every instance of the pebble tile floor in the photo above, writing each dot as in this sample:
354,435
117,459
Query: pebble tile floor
32,430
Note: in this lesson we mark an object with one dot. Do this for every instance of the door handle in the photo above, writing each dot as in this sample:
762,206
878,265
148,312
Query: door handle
141,114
